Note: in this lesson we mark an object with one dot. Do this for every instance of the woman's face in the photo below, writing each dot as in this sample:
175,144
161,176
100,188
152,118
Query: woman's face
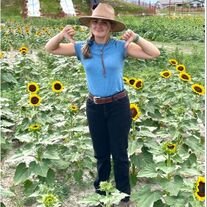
100,28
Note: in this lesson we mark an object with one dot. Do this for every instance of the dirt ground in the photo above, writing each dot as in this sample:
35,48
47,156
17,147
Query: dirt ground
76,193
185,47
7,171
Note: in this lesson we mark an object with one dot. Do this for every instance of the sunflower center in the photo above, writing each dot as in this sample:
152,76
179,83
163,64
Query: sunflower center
166,74
185,77
131,82
32,88
198,89
50,200
170,146
201,188
134,112
34,100
139,84
180,68
57,86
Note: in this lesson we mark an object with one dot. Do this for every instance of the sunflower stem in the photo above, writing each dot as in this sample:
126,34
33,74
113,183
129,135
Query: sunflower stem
71,125
133,131
169,160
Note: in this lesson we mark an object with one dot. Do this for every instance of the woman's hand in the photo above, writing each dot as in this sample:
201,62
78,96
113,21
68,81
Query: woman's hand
68,32
142,49
129,36
57,47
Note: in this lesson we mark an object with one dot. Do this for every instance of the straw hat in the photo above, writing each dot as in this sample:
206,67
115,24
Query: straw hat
103,11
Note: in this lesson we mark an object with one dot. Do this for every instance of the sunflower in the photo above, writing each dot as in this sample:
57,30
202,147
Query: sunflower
169,148
49,200
1,55
132,81
33,87
126,80
38,33
185,76
23,50
57,86
135,111
199,189
166,73
199,89
34,99
138,84
27,29
173,61
19,30
180,68
34,127
73,108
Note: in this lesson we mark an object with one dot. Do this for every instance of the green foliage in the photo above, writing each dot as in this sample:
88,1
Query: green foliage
60,151
171,113
48,8
125,8
113,196
7,126
11,8
35,32
168,29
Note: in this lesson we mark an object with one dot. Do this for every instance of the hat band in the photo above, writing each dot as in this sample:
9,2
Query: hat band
102,17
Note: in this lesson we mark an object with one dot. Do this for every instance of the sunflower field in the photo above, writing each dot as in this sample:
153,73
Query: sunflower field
47,156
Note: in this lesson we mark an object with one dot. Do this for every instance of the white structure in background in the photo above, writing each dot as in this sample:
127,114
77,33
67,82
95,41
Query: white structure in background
67,6
33,8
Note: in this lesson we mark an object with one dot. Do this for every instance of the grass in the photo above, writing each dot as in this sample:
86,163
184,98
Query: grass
47,7
13,8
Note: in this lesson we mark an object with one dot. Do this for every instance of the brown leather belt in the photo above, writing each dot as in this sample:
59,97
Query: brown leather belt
109,99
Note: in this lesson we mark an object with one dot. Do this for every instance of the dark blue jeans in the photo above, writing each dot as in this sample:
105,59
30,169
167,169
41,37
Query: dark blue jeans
109,126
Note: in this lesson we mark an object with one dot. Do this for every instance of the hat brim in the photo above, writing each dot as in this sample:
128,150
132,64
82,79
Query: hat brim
116,25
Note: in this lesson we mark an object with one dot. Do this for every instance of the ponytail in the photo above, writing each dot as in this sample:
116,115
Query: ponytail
86,48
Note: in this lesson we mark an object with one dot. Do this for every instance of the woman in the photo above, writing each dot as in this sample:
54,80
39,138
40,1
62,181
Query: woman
107,107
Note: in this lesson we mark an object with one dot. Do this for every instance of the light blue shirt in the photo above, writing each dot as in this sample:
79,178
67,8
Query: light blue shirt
114,54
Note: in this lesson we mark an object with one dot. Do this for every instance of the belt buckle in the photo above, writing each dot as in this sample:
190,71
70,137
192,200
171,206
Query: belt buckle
95,98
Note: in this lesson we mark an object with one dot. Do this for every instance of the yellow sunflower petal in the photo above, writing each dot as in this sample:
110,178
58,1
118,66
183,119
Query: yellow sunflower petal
199,191
185,76
173,61
57,86
166,74
126,80
180,68
199,89
73,108
135,111
138,84
132,81
32,87
34,100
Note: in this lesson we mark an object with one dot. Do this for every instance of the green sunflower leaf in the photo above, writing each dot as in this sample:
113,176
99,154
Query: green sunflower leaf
146,197
22,173
172,186
149,171
40,168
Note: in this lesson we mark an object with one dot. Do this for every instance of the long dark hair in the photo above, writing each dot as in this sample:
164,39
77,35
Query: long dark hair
86,47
